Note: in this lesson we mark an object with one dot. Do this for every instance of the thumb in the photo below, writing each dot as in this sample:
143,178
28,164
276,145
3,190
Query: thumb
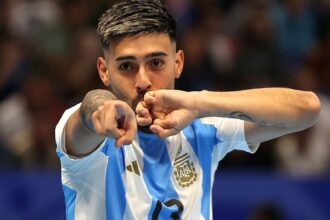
150,97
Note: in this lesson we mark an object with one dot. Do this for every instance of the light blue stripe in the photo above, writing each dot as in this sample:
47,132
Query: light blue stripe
157,171
115,187
70,202
203,139
59,154
109,147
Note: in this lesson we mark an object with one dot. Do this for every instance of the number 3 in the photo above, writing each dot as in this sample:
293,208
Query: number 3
171,202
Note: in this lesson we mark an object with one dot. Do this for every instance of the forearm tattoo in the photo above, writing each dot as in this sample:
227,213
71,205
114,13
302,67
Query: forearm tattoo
246,117
90,104
241,115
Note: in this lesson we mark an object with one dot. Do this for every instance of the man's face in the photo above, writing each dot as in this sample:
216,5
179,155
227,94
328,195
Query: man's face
137,64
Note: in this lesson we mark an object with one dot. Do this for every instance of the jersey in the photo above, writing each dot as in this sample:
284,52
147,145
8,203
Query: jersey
151,178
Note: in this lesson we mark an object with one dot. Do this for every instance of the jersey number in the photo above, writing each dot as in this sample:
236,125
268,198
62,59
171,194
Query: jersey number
171,202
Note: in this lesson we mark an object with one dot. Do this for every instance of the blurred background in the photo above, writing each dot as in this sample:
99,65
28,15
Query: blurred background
48,52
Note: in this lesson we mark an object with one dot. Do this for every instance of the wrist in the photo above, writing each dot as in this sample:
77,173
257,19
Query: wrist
199,103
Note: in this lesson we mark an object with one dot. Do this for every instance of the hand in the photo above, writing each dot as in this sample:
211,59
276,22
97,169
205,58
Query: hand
115,119
167,111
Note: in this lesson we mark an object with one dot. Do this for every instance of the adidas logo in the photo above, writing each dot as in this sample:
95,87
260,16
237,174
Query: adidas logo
133,167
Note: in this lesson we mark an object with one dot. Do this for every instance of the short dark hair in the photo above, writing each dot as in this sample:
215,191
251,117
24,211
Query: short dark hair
134,17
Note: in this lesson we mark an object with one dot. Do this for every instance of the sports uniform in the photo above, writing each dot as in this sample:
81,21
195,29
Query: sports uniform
151,178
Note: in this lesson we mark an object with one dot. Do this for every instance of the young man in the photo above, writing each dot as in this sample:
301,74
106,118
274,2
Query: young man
146,151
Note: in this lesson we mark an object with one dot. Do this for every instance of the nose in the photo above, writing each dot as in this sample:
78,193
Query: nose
142,81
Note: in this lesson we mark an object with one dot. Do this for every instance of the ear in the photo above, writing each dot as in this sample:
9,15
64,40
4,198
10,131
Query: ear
103,71
179,62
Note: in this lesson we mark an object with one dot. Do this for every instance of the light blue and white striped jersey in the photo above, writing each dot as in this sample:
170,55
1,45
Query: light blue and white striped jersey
151,178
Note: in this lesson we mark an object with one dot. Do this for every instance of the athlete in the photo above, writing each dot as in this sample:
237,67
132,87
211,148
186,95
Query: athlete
142,150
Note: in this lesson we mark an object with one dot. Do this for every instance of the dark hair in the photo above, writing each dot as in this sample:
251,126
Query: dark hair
134,17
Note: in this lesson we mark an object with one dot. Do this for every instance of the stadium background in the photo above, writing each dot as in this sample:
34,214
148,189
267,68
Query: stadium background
48,50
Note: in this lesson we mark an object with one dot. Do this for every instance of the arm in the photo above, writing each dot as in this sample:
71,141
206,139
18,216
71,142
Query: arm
100,115
268,113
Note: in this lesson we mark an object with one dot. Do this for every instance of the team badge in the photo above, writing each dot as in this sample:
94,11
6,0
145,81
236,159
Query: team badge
184,170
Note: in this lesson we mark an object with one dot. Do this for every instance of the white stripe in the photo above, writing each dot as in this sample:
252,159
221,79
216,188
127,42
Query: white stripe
191,196
138,199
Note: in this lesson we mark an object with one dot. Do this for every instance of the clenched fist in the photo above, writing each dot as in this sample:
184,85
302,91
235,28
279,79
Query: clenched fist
167,111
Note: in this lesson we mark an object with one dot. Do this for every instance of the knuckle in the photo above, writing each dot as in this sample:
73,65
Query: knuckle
108,130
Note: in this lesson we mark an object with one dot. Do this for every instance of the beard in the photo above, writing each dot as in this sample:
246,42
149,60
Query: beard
131,102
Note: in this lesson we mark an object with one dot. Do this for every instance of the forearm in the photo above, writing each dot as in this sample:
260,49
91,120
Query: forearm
279,107
81,139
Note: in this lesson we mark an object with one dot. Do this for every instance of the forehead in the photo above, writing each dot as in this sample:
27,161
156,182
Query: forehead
140,45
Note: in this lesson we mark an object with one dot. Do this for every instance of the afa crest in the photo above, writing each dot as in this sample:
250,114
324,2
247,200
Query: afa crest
184,170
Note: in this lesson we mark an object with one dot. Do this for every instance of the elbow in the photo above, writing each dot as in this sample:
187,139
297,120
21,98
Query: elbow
312,108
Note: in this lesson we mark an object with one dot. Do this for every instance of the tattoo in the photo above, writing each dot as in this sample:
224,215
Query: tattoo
90,104
241,115
246,117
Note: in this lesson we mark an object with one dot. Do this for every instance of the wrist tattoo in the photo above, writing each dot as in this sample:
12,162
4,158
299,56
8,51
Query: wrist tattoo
90,104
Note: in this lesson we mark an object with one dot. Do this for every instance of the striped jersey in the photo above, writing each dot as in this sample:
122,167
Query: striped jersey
152,178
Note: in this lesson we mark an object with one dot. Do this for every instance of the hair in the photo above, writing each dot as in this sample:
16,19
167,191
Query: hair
135,17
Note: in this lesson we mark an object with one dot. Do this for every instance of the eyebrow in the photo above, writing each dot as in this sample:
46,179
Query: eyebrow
130,57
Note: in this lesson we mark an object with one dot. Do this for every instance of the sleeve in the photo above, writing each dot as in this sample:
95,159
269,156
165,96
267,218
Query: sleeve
229,135
68,162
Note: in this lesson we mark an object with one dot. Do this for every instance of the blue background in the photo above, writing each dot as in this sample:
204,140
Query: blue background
38,195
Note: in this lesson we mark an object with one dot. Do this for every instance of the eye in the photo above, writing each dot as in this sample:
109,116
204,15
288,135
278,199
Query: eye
157,63
126,66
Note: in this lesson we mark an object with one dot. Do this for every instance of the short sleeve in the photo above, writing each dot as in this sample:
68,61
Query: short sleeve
230,136
60,130
67,161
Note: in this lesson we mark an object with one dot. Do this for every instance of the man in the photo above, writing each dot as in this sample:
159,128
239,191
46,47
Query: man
146,151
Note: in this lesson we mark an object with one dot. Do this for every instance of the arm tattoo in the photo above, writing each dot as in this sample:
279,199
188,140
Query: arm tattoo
245,117
90,104
241,115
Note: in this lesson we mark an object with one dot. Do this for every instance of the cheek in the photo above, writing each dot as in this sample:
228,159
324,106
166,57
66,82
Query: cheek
163,81
121,86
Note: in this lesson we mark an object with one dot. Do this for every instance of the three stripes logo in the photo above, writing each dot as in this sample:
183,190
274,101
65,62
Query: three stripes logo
133,167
